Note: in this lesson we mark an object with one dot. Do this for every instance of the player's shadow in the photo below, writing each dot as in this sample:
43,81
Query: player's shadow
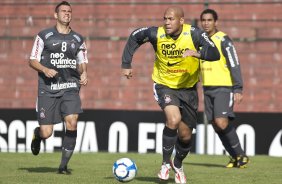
149,180
154,180
40,169
205,165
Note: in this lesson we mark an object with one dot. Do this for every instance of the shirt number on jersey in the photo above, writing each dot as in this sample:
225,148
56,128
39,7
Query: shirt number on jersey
64,46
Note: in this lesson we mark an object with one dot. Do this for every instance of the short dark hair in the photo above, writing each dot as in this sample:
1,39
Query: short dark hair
209,11
60,4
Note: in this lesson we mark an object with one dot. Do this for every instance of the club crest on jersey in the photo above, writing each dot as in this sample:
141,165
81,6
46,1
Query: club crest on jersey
167,99
162,36
42,113
73,45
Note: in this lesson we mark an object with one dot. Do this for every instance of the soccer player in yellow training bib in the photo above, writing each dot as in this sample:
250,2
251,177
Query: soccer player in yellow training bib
175,76
223,85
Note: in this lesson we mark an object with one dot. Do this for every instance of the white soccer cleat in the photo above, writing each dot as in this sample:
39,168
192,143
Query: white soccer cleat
179,174
164,172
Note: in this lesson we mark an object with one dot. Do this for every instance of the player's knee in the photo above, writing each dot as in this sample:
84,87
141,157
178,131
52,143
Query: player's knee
46,131
185,136
185,133
220,124
71,125
71,122
45,134
173,122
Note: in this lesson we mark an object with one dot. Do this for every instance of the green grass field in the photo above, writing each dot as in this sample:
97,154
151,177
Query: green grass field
97,168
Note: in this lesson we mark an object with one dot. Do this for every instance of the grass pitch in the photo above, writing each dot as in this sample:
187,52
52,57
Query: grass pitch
96,168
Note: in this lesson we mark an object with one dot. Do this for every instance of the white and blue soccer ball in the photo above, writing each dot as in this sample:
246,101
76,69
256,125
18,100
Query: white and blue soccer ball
124,169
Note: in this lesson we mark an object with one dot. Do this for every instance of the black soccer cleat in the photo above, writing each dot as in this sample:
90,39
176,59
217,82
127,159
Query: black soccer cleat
238,162
64,170
35,143
232,163
242,161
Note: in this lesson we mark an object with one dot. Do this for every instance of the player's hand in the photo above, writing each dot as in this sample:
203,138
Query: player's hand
127,73
191,53
238,98
50,73
83,79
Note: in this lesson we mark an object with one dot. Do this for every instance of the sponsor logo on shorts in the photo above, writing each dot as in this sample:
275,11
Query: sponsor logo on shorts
42,113
167,99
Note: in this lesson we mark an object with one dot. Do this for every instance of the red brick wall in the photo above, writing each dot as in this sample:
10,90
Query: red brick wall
255,28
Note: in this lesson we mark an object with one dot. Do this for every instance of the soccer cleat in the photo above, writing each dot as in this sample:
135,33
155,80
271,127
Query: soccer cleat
35,143
232,163
64,170
179,174
242,161
164,172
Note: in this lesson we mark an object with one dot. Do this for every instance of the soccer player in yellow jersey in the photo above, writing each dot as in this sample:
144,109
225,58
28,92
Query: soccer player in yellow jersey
223,85
175,76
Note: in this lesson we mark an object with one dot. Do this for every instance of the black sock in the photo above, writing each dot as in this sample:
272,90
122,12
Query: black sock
230,141
68,147
169,138
226,144
182,149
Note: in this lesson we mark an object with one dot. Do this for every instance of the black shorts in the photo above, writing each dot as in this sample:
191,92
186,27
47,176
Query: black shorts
218,103
186,99
52,110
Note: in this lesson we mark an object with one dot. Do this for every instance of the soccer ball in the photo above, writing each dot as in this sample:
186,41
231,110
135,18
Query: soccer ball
124,169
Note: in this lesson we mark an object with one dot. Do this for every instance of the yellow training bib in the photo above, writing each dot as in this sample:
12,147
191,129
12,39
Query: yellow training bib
170,68
216,73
